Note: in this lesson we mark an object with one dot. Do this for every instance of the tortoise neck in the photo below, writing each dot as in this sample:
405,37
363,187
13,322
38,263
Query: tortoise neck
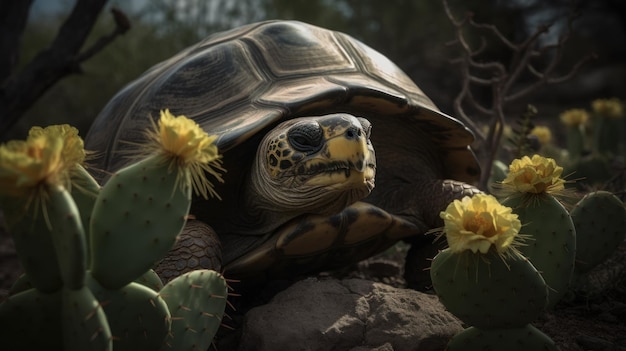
410,176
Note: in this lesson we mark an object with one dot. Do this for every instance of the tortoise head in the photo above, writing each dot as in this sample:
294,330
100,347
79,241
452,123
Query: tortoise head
314,164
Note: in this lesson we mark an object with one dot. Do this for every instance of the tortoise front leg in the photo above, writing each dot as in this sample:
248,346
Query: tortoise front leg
435,196
197,247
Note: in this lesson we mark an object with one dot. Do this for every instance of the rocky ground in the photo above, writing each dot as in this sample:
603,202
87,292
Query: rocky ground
353,310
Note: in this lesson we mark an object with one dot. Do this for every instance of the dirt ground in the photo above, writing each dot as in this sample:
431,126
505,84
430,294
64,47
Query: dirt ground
592,319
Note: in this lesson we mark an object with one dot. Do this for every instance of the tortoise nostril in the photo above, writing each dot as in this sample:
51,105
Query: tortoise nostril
353,133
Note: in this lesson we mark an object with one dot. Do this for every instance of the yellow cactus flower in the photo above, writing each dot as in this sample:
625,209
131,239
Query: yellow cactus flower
543,134
479,223
189,148
28,164
73,145
574,117
184,138
534,175
611,108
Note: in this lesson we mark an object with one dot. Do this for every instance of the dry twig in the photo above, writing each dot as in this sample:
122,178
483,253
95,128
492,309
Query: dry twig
502,78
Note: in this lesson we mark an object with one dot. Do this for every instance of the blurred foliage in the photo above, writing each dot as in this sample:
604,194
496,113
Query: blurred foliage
411,33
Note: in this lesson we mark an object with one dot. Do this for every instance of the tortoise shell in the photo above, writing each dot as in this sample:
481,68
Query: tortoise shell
241,83
236,83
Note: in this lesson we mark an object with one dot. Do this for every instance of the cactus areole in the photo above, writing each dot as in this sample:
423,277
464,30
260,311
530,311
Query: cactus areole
332,153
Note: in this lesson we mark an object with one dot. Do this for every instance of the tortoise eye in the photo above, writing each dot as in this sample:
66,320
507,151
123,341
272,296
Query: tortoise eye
305,137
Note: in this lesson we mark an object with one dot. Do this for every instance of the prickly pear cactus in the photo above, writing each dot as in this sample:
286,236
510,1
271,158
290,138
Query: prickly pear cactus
487,292
151,280
575,121
552,244
608,126
600,220
138,317
197,301
143,207
84,191
38,261
482,278
133,220
85,326
531,186
68,237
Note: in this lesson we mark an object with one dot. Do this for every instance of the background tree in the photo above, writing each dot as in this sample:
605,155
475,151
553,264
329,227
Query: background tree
20,89
411,33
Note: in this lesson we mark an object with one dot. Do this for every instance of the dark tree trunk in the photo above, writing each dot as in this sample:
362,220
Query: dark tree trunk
19,90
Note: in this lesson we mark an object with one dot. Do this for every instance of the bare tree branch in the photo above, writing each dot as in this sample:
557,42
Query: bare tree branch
122,25
502,79
13,16
20,90
493,29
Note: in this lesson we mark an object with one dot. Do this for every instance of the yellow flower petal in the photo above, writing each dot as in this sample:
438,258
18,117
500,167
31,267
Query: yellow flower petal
44,158
479,223
28,164
184,138
534,175
188,148
574,117
543,134
611,108
73,146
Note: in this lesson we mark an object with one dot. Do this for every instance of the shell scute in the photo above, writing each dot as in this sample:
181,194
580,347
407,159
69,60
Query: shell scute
291,49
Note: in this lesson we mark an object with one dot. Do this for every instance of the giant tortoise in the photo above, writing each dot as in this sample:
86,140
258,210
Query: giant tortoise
308,121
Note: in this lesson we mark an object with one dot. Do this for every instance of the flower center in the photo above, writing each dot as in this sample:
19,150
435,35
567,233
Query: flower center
481,224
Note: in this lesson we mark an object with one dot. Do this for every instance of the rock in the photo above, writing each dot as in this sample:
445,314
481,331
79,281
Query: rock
351,314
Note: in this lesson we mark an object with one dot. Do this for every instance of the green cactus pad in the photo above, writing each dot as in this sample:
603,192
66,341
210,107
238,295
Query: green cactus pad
85,191
68,237
498,172
575,141
31,320
600,220
137,216
50,241
151,280
552,244
39,261
591,170
607,137
139,319
487,292
516,339
85,326
196,301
